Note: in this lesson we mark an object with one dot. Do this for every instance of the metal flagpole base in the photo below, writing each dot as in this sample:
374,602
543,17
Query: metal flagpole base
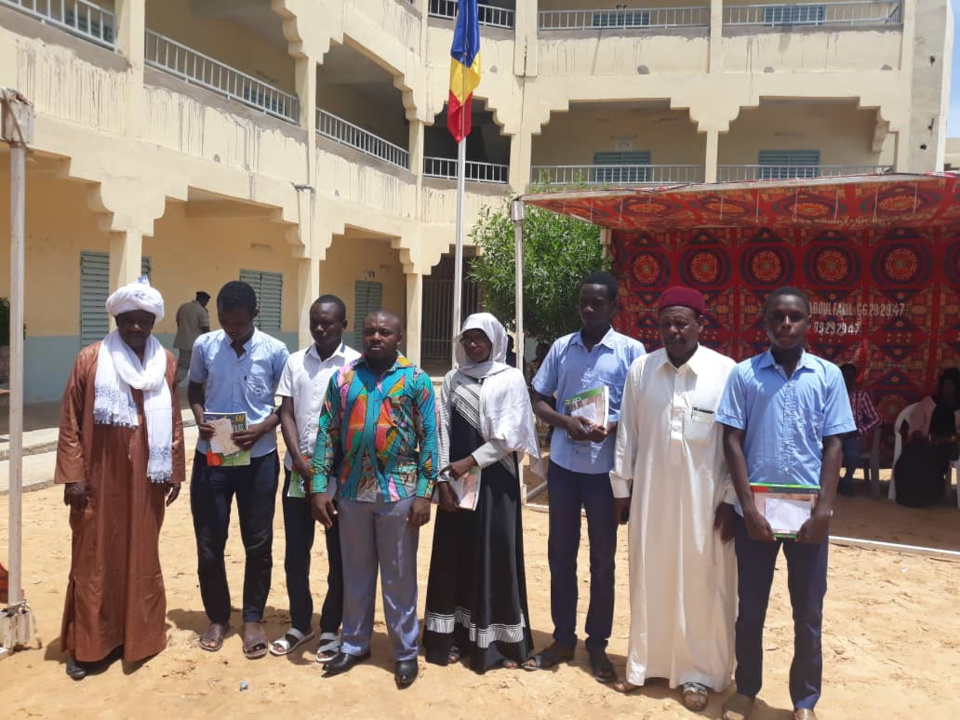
16,623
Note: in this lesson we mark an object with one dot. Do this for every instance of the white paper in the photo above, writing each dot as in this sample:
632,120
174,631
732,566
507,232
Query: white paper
587,412
786,516
222,440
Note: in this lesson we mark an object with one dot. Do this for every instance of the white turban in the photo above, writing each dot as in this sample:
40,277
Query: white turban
136,296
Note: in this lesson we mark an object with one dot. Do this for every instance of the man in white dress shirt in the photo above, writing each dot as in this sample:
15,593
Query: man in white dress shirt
303,386
670,478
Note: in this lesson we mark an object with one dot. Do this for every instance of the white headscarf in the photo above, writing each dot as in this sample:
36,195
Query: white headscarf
505,411
119,369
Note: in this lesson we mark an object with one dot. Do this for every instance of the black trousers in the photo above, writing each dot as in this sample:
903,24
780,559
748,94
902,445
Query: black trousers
299,529
212,490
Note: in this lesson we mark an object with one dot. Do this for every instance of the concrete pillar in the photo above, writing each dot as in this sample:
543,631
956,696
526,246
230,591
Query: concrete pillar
710,160
306,82
521,153
413,334
716,36
126,253
526,18
131,25
308,290
415,146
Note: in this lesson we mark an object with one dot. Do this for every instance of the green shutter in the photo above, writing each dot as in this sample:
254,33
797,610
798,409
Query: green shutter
789,164
630,174
94,290
269,291
368,296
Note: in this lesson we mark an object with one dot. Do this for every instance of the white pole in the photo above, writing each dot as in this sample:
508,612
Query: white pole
516,215
458,255
18,177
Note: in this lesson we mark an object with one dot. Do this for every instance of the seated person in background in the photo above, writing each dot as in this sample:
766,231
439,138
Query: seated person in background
868,422
932,444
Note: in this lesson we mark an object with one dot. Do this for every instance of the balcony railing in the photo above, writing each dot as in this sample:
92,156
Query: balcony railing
199,69
616,174
486,14
89,21
364,141
738,173
870,12
624,19
475,171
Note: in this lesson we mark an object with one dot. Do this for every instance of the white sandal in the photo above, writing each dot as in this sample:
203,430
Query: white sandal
328,648
291,640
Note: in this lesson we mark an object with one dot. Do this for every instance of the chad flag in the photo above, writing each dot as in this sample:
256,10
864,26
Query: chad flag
464,69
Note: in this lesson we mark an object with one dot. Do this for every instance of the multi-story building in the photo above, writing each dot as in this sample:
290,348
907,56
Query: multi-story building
301,144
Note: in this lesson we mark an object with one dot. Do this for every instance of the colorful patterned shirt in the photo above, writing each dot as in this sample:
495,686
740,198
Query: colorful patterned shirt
864,411
386,427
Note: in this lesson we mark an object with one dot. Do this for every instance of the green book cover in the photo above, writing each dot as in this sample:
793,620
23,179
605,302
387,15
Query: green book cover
223,451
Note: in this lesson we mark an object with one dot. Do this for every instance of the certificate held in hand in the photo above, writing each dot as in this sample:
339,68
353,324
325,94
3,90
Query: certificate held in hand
786,507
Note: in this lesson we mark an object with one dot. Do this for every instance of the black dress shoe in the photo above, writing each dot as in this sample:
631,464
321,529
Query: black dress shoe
406,672
75,670
343,662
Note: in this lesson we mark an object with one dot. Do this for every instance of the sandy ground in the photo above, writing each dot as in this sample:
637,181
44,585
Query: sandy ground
891,639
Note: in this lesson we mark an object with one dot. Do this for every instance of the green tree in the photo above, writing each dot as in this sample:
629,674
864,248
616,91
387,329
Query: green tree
558,252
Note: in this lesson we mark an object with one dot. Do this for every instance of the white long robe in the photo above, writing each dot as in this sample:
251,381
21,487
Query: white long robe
683,585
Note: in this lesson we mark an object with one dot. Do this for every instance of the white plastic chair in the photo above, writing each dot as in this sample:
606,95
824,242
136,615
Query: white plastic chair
898,448
956,479
872,469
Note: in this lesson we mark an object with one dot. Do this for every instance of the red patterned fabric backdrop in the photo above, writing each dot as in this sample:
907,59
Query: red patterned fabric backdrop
881,263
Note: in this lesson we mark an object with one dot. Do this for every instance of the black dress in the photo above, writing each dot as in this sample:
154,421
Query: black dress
477,593
921,470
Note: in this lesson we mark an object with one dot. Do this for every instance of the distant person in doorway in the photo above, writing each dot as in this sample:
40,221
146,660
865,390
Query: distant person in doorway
193,320
120,459
303,387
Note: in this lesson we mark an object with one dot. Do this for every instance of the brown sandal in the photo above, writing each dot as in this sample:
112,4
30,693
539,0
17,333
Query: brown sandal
625,688
738,707
212,638
255,643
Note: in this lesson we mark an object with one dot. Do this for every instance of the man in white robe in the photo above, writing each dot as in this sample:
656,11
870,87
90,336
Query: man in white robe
670,479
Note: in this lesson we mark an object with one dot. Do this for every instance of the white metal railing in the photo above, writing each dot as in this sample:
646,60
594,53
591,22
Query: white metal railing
624,18
616,174
347,133
475,171
199,69
486,14
737,173
866,12
86,19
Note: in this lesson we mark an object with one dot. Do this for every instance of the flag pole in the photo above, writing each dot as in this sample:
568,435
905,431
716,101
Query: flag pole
458,253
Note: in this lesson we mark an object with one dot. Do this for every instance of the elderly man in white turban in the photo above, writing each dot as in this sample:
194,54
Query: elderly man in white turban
120,458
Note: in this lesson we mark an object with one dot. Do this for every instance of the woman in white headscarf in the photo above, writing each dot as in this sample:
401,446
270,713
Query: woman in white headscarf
477,595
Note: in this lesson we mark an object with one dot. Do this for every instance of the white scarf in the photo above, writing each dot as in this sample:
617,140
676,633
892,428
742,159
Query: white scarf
505,410
118,370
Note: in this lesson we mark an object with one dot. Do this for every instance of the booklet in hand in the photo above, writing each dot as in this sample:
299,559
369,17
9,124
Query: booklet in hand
786,507
591,405
224,452
466,488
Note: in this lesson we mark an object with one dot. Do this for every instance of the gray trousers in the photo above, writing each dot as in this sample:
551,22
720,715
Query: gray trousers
377,535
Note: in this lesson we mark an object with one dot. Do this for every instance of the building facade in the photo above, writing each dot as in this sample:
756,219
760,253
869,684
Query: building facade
301,144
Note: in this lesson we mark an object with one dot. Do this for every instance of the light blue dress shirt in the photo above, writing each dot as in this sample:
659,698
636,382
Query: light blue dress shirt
569,369
240,384
785,420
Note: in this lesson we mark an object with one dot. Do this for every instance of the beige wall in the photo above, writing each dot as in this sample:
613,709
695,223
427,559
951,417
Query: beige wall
810,50
572,138
842,133
223,40
352,258
384,116
202,253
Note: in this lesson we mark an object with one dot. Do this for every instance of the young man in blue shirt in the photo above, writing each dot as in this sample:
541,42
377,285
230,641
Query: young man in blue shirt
581,458
784,413
233,370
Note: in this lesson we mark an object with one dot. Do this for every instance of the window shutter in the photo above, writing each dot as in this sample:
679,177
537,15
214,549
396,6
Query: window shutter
94,290
629,174
794,14
789,164
367,297
268,288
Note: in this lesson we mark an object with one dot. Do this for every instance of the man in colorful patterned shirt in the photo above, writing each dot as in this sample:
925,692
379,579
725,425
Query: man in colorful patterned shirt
380,412
868,421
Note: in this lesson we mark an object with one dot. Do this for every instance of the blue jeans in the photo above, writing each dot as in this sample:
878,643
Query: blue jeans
569,492
807,582
372,535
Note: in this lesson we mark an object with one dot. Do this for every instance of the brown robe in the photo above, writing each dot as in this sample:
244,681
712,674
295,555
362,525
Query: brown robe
115,595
